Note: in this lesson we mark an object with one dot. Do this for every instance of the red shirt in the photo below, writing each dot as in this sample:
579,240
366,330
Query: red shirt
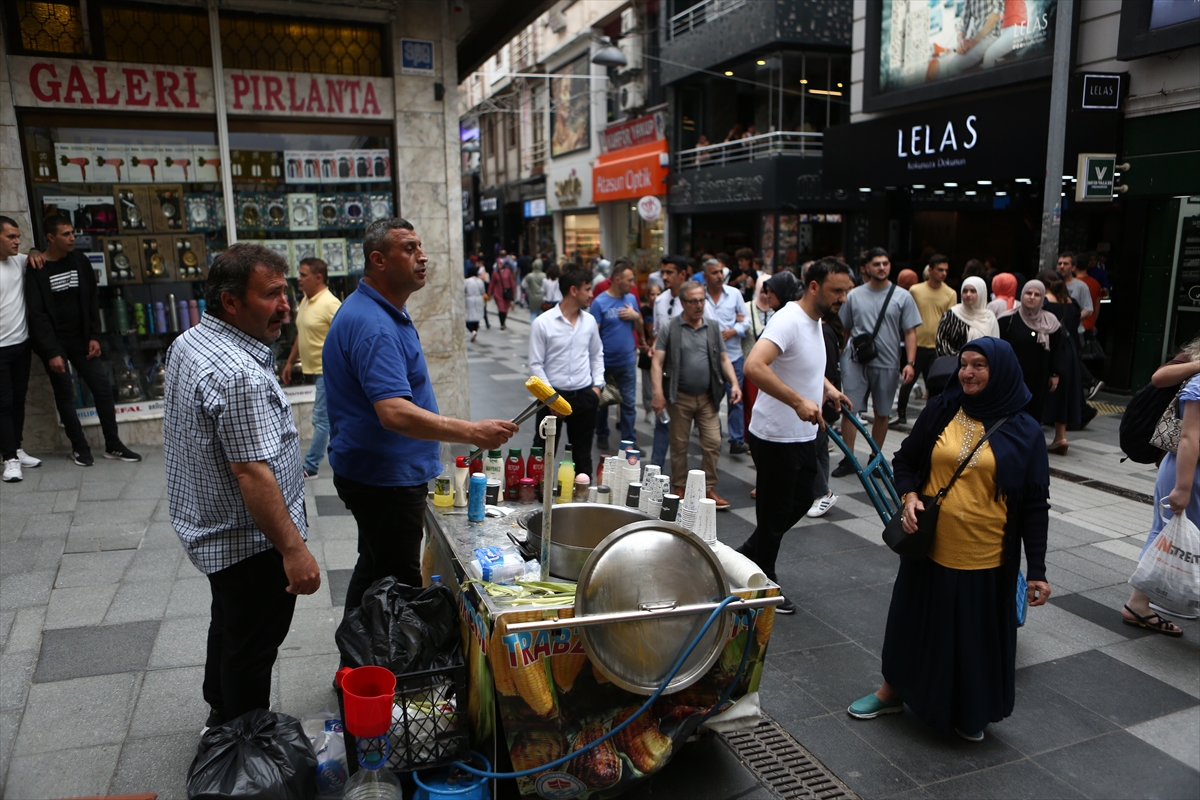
601,287
1095,291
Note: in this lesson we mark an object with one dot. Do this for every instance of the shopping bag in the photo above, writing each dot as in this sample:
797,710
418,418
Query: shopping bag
1022,598
1169,572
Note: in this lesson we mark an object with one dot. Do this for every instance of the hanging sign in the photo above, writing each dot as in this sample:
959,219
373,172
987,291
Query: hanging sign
1095,177
649,208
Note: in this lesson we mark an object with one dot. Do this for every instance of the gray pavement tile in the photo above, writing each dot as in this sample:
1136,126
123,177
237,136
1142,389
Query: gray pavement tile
1061,532
823,538
1071,560
170,701
38,525
10,721
857,613
911,794
1052,617
139,601
835,676
334,528
61,480
91,569
6,623
869,566
926,755
784,700
304,684
706,768
181,643
331,506
1098,614
83,711
1121,765
812,576
801,631
832,739
1063,581
102,650
157,764
161,536
1016,781
1043,720
65,500
28,555
26,630
1037,646
340,554
42,774
1116,691
26,589
162,511
16,669
100,490
1114,562
144,490
122,541
155,565
1177,735
1175,662
311,633
79,606
339,582
191,597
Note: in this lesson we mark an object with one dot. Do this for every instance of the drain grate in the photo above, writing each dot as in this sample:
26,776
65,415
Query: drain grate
783,766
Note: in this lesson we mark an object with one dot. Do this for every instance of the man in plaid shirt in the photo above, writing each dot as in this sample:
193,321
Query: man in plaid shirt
234,477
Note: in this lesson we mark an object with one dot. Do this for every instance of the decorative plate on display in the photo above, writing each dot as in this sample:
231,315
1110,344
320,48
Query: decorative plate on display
197,212
381,206
328,213
169,210
158,265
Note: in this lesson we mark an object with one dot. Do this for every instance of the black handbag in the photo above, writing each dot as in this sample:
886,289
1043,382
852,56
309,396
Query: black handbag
917,543
864,344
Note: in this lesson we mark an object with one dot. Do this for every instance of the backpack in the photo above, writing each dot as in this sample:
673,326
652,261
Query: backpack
1141,416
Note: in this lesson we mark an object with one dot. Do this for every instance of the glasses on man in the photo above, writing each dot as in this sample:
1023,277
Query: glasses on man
693,300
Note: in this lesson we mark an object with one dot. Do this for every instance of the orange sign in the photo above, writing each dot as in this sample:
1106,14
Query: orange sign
630,173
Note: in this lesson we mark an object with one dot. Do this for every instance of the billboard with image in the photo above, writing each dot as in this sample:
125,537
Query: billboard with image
571,108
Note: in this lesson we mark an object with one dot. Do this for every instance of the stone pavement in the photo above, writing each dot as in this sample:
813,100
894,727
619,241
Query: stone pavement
103,622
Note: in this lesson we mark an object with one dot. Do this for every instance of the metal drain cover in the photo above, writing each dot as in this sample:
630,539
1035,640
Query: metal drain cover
783,766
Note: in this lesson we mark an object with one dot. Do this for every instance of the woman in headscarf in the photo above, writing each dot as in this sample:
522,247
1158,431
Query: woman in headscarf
966,321
949,650
1066,409
1004,286
1036,337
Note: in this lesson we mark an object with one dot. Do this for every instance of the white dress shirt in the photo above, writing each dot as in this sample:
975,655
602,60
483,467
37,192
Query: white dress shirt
568,357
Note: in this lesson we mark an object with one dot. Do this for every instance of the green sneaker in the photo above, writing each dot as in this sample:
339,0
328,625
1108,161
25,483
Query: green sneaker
870,707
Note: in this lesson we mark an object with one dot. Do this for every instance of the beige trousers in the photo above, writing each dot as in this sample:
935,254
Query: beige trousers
700,408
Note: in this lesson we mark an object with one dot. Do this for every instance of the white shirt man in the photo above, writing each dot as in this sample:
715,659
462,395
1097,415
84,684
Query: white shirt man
14,352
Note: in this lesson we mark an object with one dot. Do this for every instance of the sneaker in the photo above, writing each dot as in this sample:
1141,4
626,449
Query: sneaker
822,505
970,737
12,470
121,453
722,503
898,420
738,448
1153,606
870,707
27,461
843,469
786,607
82,457
603,444
1095,389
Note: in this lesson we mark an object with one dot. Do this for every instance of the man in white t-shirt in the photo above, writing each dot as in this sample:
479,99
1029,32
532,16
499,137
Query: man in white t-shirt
14,353
787,365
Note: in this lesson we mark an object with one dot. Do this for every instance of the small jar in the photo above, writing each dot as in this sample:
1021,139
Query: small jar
582,484
526,491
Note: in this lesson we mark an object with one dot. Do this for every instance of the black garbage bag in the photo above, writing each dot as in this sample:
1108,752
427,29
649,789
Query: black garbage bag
260,754
403,628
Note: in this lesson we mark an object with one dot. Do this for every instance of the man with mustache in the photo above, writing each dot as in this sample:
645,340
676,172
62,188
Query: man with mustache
234,477
383,418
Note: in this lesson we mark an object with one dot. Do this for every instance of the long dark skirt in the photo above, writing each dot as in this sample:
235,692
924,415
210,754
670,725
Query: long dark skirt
951,643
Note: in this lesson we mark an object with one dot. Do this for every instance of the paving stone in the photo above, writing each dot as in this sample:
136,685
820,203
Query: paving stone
857,613
16,669
1121,765
1175,662
835,743
42,774
339,582
10,721
1177,735
66,500
331,507
835,676
30,555
101,490
61,480
6,623
1043,719
1010,781
304,683
65,714
38,525
158,763
181,643
312,633
190,598
170,701
26,630
155,565
102,650
26,589
79,606
784,700
91,569
1057,616
1071,560
340,554
801,631
139,601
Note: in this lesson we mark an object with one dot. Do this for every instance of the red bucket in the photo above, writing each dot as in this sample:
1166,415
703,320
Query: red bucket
368,693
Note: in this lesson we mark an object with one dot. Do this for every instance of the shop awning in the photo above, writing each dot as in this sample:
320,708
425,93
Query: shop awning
630,173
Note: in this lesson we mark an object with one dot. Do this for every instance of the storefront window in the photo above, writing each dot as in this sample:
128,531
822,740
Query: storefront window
301,45
644,241
50,27
581,236
157,35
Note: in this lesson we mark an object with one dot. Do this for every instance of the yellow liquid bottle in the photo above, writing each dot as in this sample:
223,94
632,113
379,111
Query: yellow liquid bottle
443,490
566,479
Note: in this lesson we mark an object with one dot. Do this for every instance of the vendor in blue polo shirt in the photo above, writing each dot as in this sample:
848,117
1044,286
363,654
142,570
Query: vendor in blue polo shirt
383,418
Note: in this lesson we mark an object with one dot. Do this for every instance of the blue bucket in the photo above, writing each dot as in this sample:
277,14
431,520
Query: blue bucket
448,783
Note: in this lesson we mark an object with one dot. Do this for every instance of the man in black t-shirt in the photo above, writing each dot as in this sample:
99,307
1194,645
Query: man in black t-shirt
62,306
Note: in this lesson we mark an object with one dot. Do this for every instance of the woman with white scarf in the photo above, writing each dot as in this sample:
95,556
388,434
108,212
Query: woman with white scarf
1036,337
967,321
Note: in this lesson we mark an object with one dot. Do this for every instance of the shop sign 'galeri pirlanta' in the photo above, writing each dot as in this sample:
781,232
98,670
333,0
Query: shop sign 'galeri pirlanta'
111,85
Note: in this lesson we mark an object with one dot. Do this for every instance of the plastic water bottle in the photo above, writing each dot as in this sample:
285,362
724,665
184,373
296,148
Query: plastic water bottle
373,781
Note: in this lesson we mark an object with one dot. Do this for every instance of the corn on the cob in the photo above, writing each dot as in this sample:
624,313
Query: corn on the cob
645,745
567,666
498,653
530,679
534,748
599,767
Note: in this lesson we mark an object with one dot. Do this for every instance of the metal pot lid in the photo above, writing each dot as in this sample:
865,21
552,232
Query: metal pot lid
646,566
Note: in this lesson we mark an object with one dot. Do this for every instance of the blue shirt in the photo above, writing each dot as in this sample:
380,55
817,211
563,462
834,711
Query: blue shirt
725,311
372,353
616,334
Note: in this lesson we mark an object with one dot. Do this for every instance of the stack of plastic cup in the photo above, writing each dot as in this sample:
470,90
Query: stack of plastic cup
632,470
633,497
670,508
649,471
613,478
653,489
693,493
706,521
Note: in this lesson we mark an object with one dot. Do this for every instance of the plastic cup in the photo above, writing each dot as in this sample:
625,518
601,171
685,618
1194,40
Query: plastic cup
368,694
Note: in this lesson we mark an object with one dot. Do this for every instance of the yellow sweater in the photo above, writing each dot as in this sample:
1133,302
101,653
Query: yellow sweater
970,532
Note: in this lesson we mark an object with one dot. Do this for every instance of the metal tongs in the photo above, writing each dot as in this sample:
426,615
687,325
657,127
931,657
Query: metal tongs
529,411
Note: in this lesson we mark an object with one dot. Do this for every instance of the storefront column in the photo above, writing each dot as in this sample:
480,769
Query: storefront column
427,165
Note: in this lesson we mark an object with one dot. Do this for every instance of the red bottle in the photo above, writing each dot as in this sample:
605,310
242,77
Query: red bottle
536,468
477,464
514,470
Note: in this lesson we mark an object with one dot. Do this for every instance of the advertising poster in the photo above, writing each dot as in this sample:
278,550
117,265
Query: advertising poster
926,41
571,108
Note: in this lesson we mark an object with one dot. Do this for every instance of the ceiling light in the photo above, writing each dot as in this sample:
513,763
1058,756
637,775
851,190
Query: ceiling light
970,193
728,73
984,183
804,80
949,185
1001,194
1024,180
761,63
864,188
939,191
839,86
823,91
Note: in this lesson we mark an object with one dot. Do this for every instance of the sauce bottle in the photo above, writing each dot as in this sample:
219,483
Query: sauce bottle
514,470
462,476
493,467
535,468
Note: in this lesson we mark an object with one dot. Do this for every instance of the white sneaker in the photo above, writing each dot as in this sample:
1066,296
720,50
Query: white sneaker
28,461
822,505
12,470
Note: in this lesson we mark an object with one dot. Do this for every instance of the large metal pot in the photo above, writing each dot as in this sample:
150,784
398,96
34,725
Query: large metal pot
576,530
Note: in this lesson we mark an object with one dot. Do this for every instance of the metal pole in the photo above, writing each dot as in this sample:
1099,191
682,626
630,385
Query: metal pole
549,427
214,34
1056,140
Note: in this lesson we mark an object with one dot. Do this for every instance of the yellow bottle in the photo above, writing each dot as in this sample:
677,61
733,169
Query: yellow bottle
443,490
566,478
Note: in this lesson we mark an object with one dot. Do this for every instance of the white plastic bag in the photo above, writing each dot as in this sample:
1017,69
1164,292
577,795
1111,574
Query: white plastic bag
1169,572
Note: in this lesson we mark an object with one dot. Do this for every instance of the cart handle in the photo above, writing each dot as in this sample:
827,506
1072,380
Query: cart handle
643,614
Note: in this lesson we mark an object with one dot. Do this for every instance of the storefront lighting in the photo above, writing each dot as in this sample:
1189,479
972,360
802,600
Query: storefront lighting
728,73
939,191
804,81
839,86
824,91
950,185
970,192
1001,194
984,183
761,63
1024,180
864,188
918,186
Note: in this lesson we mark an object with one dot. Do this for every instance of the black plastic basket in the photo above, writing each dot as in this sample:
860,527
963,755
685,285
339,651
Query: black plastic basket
429,725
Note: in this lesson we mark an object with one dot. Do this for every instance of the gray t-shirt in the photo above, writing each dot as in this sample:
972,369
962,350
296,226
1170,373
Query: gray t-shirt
693,358
860,311
1083,298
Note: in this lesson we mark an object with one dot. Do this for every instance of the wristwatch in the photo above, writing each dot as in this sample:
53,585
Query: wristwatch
912,364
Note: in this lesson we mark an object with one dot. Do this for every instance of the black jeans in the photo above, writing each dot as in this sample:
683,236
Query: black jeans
925,358
251,616
786,473
14,384
92,373
581,428
391,521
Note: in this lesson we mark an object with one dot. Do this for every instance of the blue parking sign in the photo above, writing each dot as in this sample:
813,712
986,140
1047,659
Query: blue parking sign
416,57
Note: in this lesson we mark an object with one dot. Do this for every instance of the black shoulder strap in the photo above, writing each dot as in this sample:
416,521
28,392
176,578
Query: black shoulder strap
942,494
883,312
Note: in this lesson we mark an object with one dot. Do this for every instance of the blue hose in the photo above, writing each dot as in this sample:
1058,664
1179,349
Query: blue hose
649,701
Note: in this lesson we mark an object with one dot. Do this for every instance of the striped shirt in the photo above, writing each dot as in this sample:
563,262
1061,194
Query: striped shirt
224,405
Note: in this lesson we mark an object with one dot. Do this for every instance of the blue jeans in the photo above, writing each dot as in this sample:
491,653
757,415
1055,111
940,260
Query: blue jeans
625,377
737,415
662,442
320,423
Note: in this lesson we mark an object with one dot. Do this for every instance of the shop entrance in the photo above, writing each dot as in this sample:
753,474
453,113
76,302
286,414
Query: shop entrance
1010,240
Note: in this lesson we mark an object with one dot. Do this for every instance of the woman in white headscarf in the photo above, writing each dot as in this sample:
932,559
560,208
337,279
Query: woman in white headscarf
967,321
1036,337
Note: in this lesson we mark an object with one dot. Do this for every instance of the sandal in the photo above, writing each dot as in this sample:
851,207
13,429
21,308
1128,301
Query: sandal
1059,448
1152,622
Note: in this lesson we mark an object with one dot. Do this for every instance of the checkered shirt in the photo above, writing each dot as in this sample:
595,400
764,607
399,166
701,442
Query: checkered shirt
223,404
